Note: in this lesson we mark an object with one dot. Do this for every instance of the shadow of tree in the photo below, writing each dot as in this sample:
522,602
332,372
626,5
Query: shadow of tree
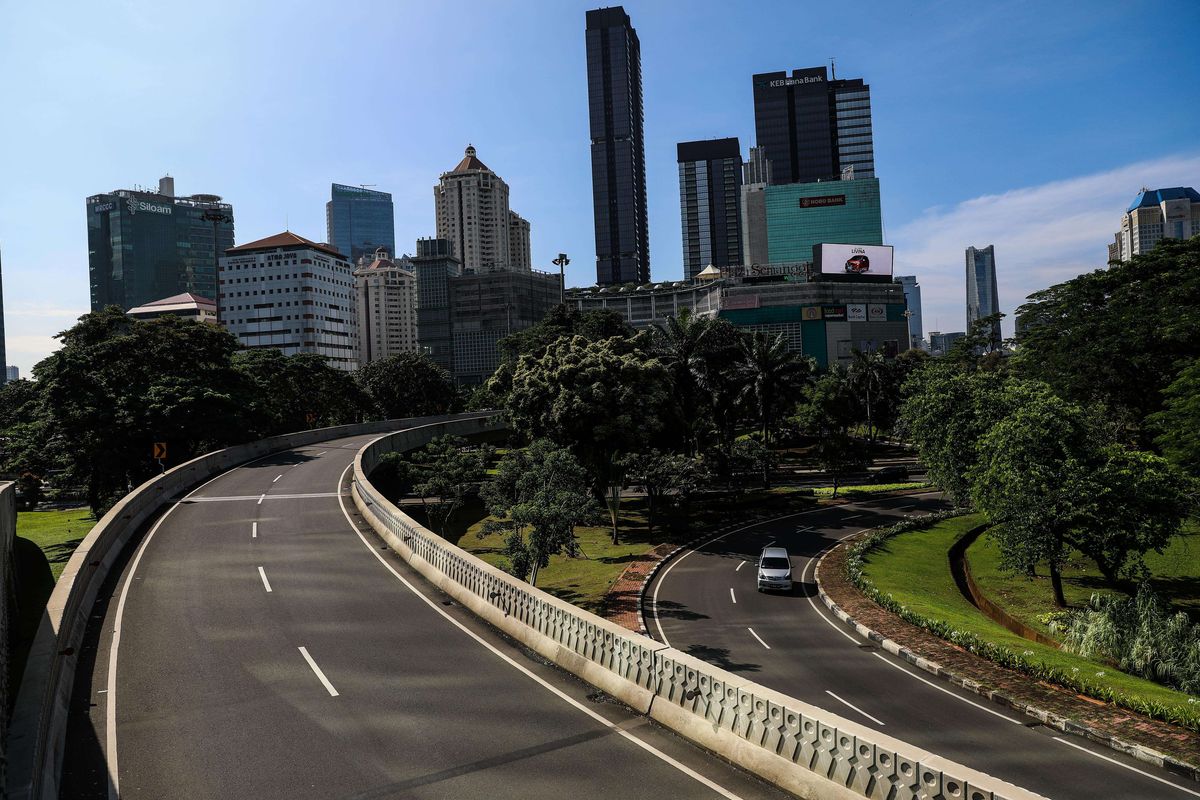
719,657
674,610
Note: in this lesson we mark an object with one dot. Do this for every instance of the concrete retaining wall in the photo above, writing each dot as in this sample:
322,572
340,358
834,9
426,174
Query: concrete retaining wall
37,735
8,532
801,748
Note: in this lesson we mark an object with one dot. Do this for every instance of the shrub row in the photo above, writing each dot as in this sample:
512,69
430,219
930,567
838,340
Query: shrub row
1006,657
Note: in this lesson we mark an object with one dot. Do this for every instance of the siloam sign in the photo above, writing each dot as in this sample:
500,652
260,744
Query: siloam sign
136,205
854,259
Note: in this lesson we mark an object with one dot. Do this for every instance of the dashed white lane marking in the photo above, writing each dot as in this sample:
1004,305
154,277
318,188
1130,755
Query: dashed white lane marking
851,705
260,498
853,516
1126,766
234,498
944,690
321,675
739,566
253,530
617,729
277,477
904,508
262,574
731,597
756,636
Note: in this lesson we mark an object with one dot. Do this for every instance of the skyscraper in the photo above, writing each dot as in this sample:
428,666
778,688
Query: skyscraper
710,179
144,245
912,298
982,299
614,73
385,294
756,176
1153,215
473,214
359,220
813,128
3,356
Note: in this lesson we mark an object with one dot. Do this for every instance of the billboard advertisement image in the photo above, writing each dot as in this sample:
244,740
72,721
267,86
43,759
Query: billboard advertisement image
855,259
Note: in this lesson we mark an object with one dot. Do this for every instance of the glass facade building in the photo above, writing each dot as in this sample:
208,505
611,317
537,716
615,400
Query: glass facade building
912,297
813,128
800,215
145,246
614,74
982,298
359,221
710,179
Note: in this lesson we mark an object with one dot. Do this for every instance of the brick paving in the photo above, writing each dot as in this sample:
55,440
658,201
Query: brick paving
1170,746
622,603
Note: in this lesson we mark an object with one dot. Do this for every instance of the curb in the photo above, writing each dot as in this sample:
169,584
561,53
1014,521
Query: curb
1049,718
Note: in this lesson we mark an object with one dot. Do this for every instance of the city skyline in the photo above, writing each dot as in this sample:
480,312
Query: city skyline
935,181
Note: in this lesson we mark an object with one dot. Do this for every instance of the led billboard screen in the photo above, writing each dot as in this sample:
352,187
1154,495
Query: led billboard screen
854,259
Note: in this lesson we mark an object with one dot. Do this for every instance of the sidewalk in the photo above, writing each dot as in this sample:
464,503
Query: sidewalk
1169,746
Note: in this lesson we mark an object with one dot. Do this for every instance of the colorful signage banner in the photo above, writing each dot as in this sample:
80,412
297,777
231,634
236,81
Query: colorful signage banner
876,313
833,312
854,259
810,312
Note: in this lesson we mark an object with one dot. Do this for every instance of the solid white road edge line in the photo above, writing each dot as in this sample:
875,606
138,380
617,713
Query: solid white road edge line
110,707
262,574
943,689
811,602
731,595
856,708
756,636
670,566
649,748
321,675
1126,766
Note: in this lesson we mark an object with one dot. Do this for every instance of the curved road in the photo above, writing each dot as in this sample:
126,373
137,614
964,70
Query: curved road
706,603
265,647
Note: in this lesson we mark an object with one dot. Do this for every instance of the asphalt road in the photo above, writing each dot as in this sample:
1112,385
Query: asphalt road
264,648
706,603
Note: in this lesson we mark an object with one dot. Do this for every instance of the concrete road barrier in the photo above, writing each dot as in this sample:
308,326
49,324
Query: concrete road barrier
37,733
798,747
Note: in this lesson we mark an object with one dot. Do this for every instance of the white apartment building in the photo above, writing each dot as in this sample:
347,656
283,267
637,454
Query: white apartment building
1156,214
519,255
385,293
473,215
291,294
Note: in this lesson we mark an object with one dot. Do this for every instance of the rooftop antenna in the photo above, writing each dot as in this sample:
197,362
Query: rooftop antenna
832,69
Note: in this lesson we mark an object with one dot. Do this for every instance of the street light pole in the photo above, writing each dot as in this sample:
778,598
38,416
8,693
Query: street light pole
561,262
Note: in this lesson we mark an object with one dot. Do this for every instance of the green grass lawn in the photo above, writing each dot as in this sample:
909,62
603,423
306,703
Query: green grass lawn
866,491
915,570
44,544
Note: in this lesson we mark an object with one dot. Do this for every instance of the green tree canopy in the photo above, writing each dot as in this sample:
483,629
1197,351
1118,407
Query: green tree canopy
1177,425
408,385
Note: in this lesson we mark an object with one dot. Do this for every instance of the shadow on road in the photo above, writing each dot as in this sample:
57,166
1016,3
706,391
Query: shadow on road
674,610
719,657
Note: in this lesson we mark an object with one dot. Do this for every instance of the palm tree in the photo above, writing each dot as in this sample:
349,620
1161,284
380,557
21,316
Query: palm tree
772,375
681,344
867,374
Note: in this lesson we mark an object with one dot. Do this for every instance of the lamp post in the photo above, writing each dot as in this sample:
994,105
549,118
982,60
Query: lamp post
561,262
216,216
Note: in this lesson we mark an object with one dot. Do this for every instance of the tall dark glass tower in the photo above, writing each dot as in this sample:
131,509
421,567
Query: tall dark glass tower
710,180
813,128
145,246
614,72
358,221
982,299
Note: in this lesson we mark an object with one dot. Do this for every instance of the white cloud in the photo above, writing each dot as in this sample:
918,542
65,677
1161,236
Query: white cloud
1043,235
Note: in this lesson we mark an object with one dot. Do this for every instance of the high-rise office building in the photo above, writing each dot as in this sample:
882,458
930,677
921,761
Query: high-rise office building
912,298
1153,215
385,293
940,343
756,176
359,220
435,264
801,215
471,203
982,298
291,294
813,128
710,179
145,245
614,74
12,373
3,355
519,251
486,307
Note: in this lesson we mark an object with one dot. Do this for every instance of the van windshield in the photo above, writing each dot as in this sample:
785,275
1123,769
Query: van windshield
775,563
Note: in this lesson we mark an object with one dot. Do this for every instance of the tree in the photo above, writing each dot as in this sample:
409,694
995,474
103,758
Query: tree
840,454
664,474
681,343
773,376
1177,425
444,474
830,404
408,385
868,373
297,392
26,440
540,495
601,399
721,387
1117,336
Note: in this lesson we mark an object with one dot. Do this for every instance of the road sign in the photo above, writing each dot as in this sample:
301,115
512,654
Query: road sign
160,450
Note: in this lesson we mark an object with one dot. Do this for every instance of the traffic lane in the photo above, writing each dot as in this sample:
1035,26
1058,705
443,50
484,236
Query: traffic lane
256,702
786,642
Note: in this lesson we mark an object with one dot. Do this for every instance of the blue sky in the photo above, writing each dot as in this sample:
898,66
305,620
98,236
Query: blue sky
1027,124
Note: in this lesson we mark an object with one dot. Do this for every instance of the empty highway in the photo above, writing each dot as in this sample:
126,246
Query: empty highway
705,602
